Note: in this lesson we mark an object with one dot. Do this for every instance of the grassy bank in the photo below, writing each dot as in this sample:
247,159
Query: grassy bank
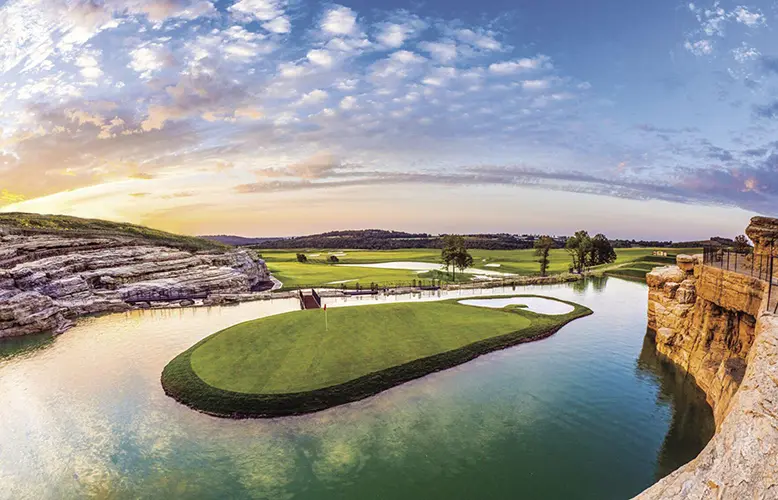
288,364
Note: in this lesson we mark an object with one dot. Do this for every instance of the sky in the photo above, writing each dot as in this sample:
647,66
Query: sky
280,117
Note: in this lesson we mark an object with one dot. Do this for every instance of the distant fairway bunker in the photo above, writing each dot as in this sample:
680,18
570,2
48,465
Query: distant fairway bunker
289,365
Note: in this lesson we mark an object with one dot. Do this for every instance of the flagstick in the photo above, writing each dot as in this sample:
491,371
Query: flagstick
326,324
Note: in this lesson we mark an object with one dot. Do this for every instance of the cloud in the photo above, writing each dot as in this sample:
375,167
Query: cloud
339,20
150,58
443,51
700,47
482,40
520,65
320,57
744,16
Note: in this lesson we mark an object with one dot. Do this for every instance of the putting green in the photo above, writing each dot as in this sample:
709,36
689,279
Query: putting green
289,363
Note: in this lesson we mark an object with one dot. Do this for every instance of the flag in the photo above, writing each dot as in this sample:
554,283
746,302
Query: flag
325,307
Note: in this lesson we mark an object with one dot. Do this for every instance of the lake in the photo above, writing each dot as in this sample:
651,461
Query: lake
590,413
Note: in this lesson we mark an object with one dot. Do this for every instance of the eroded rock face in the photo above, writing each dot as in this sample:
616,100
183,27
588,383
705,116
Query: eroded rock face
705,323
47,281
714,324
741,461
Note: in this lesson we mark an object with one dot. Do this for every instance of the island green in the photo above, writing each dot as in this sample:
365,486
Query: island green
293,363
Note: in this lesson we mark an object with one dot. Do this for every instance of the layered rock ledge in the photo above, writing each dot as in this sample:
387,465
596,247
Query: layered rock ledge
714,324
46,281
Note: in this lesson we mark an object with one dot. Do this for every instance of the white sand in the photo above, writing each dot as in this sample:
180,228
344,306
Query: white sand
492,265
424,266
534,304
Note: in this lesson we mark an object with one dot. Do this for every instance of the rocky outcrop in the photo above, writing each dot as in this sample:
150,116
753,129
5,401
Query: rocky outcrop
741,461
704,320
46,281
714,324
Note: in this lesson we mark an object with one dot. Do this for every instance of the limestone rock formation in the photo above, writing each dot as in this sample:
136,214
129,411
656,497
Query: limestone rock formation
763,231
704,321
46,281
714,324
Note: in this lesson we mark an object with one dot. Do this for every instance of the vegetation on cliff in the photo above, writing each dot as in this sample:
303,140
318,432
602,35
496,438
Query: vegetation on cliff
66,226
292,363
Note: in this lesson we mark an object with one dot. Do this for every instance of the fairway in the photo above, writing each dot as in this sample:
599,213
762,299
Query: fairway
319,272
289,363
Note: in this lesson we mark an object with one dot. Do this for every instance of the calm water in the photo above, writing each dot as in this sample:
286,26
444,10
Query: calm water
591,413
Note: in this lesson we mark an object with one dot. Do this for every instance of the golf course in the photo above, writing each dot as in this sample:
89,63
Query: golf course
353,266
306,361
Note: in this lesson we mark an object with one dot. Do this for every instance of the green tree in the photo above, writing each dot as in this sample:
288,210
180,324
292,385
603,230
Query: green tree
601,251
302,258
579,247
742,244
452,244
463,259
543,246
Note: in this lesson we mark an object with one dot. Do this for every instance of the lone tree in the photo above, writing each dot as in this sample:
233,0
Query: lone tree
334,259
302,258
742,244
601,251
543,246
579,247
454,254
463,259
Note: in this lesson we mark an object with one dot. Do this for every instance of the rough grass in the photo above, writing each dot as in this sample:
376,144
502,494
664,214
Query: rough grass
288,364
66,226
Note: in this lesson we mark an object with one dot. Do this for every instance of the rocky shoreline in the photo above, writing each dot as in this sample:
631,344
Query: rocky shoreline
714,323
47,280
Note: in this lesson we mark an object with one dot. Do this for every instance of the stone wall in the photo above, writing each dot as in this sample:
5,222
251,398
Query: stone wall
47,281
711,322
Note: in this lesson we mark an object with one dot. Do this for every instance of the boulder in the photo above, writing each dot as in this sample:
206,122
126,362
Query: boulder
661,275
685,262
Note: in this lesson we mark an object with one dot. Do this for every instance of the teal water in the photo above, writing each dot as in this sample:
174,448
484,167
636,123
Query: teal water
590,413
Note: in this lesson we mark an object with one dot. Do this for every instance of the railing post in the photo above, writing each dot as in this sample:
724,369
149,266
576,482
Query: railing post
770,280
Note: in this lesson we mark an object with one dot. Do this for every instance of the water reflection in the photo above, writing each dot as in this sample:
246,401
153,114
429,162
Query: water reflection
86,417
692,424
14,346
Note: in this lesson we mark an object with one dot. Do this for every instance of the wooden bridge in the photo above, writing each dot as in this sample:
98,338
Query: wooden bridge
309,300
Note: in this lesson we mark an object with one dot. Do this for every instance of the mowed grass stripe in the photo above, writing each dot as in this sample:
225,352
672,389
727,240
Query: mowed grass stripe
292,352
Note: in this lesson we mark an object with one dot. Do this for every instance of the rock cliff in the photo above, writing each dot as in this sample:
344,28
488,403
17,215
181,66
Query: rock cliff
715,324
48,280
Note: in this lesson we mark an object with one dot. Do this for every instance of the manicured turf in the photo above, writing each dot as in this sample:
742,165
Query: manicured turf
288,364
317,272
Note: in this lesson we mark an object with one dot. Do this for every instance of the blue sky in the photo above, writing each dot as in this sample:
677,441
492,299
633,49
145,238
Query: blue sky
282,117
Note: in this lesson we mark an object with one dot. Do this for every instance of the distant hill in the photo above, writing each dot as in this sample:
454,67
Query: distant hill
236,240
66,226
379,239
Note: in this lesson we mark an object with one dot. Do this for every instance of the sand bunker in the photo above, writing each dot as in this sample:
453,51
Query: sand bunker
535,304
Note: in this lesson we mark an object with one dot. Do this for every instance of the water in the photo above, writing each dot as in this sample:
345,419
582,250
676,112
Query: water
590,413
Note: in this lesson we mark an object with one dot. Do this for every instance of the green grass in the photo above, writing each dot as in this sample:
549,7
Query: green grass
635,263
288,364
294,274
67,226
319,272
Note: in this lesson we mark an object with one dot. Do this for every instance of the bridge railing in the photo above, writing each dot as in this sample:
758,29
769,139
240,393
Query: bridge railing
761,266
